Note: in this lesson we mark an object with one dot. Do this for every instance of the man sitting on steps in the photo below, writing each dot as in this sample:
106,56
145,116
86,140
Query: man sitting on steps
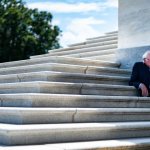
140,77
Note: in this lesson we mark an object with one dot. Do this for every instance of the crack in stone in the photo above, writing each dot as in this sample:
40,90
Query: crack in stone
85,69
73,116
1,101
18,78
80,90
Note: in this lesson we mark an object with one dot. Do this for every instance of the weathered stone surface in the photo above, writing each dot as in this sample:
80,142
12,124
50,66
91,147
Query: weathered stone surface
86,50
55,99
83,46
38,134
67,100
72,115
107,38
107,57
67,88
108,71
63,77
92,53
67,68
59,60
133,35
134,23
117,144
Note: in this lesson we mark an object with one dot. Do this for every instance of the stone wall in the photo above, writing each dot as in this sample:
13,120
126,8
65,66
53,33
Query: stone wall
134,31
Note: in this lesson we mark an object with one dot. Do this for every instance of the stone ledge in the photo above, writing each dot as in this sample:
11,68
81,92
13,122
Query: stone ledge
104,39
84,45
63,77
67,88
59,60
67,100
67,68
92,53
72,115
54,133
86,50
116,144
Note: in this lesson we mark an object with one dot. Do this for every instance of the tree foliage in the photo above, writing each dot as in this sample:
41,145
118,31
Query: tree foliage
25,32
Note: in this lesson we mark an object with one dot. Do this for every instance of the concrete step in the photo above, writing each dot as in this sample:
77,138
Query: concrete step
64,77
103,36
44,67
67,100
85,45
112,32
61,60
66,68
85,50
76,44
80,46
107,38
17,115
93,45
93,53
88,39
67,88
110,57
55,133
116,144
108,71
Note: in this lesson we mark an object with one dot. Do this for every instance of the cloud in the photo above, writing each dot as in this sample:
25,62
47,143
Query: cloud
80,29
56,22
111,3
78,7
66,7
86,21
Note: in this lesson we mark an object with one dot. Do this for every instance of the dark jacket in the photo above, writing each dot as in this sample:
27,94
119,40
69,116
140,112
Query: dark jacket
140,74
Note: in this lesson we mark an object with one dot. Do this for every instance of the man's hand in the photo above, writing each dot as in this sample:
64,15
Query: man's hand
143,89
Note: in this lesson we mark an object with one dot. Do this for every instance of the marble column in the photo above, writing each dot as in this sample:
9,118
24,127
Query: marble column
133,32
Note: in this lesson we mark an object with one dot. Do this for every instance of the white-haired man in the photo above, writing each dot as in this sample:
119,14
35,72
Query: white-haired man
140,77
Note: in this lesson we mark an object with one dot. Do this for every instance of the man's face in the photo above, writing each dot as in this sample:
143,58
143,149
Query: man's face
147,60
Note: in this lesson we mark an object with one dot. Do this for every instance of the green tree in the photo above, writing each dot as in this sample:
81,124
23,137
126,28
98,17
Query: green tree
25,32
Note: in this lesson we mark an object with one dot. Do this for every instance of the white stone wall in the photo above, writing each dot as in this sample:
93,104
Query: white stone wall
134,23
134,31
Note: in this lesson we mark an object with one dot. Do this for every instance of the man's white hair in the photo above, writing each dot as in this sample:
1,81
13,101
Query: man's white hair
146,54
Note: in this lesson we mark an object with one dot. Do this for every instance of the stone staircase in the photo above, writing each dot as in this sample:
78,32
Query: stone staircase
72,98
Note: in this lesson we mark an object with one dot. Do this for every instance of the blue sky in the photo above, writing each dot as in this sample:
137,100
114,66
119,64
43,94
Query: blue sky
80,19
